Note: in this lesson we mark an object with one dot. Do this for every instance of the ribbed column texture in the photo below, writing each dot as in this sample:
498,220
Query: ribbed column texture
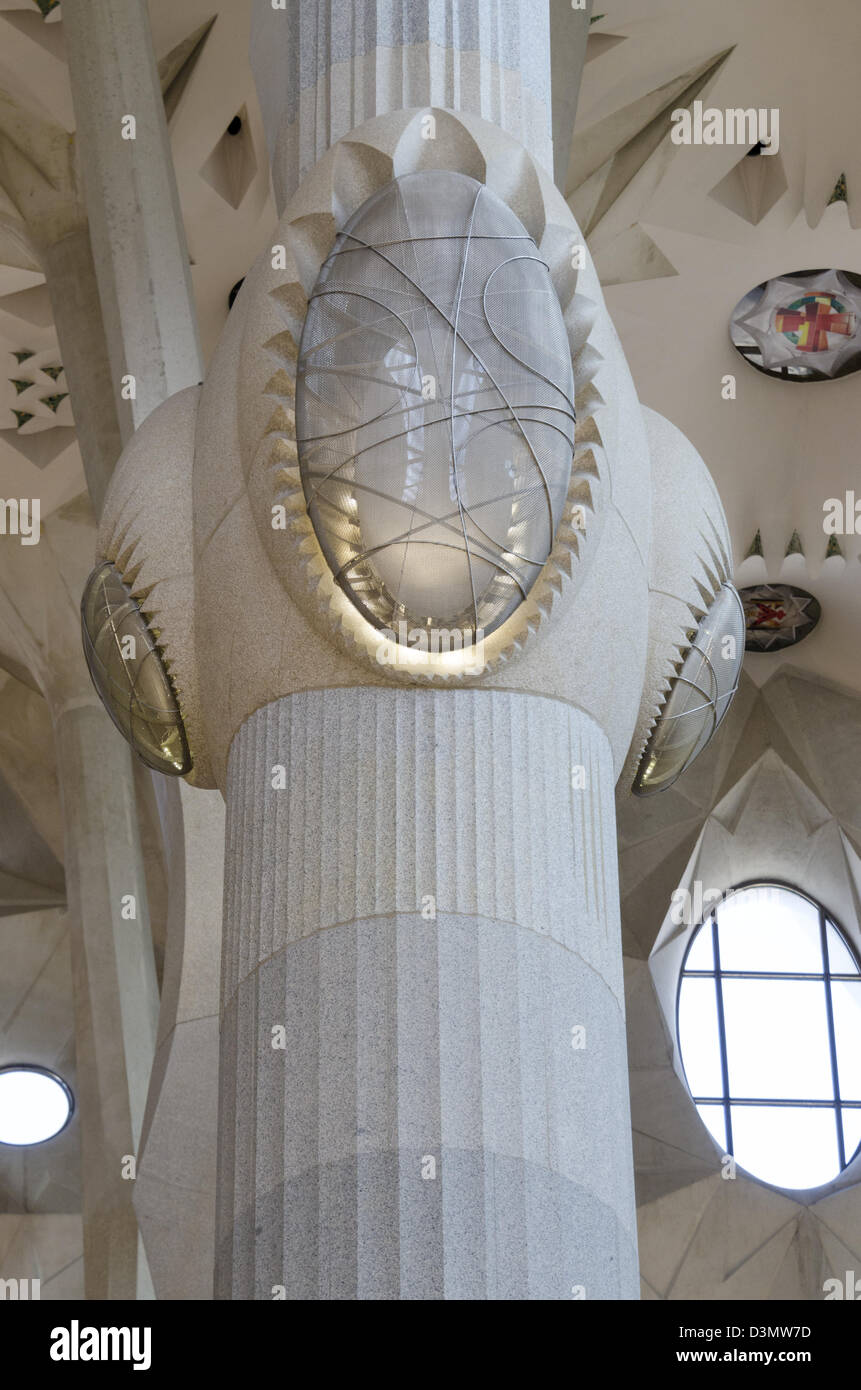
322,67
425,915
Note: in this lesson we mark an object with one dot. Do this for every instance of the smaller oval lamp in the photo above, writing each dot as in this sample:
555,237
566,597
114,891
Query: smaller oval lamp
700,696
129,674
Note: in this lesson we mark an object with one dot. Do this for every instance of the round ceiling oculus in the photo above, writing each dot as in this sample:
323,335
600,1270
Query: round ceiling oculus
803,326
35,1105
777,616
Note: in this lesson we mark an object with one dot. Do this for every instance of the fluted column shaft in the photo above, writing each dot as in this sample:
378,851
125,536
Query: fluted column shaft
418,925
322,68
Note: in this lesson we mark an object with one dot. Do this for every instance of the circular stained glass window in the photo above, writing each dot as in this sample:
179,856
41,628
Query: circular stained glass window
35,1105
434,408
804,326
777,616
769,1027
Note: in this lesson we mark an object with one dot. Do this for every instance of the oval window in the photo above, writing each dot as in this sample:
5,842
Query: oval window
35,1104
769,1024
434,408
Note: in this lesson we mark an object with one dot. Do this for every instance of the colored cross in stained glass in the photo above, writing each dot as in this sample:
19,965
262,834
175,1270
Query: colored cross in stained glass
765,614
808,321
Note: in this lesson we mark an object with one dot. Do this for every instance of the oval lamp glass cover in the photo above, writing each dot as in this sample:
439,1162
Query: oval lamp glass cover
434,408
700,696
128,672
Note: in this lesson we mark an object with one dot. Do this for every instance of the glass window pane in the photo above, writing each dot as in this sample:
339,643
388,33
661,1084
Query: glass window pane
846,1003
851,1132
777,1039
714,1120
786,1145
698,1037
840,959
701,955
768,928
776,1035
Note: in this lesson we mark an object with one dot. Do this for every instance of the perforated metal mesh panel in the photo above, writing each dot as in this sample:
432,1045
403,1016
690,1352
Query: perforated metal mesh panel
434,407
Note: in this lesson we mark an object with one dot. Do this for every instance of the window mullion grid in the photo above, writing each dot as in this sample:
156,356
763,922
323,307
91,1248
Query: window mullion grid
832,1041
724,1065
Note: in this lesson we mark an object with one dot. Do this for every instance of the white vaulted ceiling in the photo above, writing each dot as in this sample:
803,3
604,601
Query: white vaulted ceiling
680,233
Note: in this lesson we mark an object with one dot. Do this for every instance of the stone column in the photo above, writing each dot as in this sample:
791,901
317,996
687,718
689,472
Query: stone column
71,279
121,297
142,266
116,994
322,68
428,911
115,986
135,224
175,1188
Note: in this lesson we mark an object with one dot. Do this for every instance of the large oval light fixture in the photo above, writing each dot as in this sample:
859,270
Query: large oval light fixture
700,695
35,1105
434,408
129,674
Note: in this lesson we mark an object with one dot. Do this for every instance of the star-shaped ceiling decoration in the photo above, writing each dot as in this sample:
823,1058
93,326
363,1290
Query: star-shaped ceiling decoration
777,616
809,323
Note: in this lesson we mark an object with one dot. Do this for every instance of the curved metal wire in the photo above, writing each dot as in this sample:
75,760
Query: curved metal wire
384,487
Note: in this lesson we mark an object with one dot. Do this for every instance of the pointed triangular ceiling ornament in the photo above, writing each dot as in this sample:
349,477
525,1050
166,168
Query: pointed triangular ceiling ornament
839,194
599,44
794,546
41,448
752,186
619,145
630,257
176,67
